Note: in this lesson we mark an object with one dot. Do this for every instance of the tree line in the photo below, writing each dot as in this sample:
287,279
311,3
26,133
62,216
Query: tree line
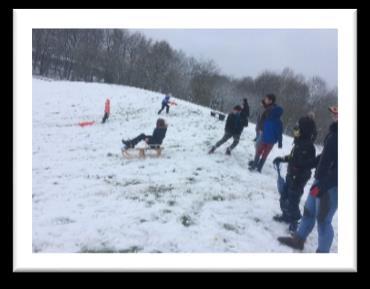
119,56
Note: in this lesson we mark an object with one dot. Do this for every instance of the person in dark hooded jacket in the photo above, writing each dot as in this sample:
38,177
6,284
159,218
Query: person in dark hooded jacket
154,140
300,162
165,104
322,201
272,133
235,122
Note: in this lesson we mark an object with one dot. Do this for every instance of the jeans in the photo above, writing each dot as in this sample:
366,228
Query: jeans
321,209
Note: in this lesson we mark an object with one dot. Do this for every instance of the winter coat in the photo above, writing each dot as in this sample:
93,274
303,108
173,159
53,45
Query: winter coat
272,131
244,114
300,162
159,134
166,100
262,117
234,123
107,106
327,169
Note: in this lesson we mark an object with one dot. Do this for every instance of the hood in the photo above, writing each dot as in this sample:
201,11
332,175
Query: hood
276,112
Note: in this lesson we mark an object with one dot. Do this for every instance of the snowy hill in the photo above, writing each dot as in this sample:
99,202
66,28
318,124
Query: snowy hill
88,198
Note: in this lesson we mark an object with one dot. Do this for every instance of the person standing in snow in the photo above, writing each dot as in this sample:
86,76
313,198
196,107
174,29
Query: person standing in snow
322,201
106,110
165,104
235,122
271,133
300,162
154,140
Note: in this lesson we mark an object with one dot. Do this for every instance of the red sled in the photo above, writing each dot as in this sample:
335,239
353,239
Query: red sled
86,123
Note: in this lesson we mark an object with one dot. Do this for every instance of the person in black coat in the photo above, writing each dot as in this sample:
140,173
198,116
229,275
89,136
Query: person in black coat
300,162
322,201
154,140
235,122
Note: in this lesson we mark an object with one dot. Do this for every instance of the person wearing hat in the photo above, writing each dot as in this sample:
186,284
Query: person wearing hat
234,126
322,201
300,162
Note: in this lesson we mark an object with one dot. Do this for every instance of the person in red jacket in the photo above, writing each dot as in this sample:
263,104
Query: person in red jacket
106,110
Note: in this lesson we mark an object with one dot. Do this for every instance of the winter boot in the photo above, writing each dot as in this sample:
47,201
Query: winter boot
281,219
253,164
212,150
294,242
260,164
228,151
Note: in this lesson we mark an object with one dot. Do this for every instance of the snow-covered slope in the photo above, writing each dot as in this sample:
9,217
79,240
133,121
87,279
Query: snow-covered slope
88,198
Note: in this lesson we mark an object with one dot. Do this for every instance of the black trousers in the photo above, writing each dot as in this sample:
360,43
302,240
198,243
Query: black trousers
142,137
164,106
105,117
226,137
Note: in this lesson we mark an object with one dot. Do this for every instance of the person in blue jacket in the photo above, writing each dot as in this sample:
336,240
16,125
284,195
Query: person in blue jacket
322,201
272,133
154,140
165,104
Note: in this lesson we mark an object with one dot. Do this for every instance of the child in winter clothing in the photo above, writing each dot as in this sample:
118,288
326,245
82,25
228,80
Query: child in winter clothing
235,122
106,110
322,201
300,162
154,140
165,104
272,132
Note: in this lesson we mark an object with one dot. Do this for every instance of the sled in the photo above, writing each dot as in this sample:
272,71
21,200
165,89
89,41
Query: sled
220,115
85,123
142,152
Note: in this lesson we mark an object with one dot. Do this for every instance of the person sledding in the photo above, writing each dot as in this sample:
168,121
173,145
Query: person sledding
153,141
166,104
322,201
300,162
106,110
235,122
272,132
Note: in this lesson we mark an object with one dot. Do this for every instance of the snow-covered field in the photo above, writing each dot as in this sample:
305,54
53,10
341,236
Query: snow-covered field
88,198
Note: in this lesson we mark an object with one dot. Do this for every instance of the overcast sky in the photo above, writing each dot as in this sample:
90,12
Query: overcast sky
248,52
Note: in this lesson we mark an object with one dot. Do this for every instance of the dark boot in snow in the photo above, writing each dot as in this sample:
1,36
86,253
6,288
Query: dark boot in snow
260,165
281,219
228,151
253,164
294,242
212,150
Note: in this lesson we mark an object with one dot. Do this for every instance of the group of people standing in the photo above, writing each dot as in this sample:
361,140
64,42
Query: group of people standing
321,203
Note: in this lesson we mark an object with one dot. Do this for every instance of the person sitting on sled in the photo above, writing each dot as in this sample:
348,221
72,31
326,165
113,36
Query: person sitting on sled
154,140
300,162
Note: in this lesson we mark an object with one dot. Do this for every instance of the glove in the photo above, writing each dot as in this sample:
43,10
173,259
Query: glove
277,161
315,190
318,189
